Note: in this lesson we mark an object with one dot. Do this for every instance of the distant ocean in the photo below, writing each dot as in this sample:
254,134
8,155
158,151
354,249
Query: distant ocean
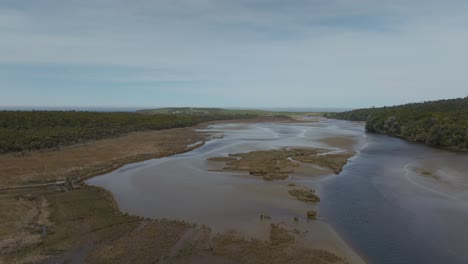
296,109
133,109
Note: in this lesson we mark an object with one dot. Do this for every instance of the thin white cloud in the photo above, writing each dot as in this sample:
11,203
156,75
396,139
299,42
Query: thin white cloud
306,53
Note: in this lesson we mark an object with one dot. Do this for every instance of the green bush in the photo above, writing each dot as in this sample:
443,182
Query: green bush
442,123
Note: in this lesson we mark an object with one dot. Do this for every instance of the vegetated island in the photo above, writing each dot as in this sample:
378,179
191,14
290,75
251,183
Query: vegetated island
277,164
442,123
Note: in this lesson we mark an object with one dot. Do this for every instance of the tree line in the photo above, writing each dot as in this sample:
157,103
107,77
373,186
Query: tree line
35,130
442,123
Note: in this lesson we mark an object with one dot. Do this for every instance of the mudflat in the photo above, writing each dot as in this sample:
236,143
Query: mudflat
84,222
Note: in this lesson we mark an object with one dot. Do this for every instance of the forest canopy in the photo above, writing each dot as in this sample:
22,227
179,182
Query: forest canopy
34,130
442,123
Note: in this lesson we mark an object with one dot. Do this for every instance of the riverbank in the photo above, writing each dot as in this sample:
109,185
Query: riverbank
84,223
100,156
441,123
78,220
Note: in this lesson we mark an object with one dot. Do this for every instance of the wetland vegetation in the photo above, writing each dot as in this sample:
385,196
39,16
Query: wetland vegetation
36,130
84,224
278,164
305,195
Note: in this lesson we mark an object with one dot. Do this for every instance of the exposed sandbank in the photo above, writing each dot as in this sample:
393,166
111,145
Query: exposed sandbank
438,178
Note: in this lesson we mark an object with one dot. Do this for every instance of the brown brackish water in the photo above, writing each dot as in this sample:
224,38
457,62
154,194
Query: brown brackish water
190,187
383,203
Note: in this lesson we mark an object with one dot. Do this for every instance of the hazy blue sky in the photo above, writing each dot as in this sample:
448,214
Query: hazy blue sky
236,53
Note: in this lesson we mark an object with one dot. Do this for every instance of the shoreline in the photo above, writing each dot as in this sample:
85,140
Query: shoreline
129,160
345,142
174,135
407,139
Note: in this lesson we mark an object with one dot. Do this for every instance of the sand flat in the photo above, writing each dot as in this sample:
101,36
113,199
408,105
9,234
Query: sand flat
188,187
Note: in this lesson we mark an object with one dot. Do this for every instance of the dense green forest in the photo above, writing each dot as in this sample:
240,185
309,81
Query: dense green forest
442,123
33,130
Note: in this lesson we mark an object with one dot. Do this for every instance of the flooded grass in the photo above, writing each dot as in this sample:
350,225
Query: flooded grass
278,164
305,195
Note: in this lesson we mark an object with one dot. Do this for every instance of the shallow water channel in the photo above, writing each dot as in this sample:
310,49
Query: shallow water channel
380,204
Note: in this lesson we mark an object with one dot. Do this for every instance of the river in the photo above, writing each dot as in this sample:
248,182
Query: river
394,202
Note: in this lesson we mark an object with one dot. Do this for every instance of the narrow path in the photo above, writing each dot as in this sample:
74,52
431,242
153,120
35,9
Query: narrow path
29,186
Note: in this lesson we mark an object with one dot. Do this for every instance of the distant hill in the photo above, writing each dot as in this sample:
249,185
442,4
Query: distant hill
203,111
442,123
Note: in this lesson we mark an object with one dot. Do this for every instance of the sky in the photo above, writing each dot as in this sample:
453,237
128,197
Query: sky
226,53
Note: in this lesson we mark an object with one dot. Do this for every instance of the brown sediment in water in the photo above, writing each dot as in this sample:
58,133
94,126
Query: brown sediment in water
342,142
281,247
83,225
279,235
428,173
278,164
201,245
444,176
